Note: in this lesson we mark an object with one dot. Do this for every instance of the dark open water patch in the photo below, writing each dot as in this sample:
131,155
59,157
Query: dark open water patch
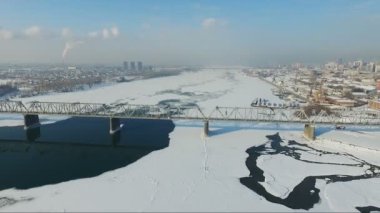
305,195
176,103
75,148
177,92
368,209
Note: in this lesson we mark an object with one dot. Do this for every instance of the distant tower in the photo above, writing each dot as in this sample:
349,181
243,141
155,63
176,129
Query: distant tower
125,65
133,66
140,66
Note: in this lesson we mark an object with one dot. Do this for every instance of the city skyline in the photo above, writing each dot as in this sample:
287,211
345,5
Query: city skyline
188,32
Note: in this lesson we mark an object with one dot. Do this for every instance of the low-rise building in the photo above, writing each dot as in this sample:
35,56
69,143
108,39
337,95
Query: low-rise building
374,104
341,101
359,95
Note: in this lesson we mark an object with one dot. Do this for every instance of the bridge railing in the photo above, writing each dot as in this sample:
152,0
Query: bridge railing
269,114
124,110
259,114
102,110
12,107
65,108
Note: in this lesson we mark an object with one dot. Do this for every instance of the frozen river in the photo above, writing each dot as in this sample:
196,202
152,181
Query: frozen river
179,169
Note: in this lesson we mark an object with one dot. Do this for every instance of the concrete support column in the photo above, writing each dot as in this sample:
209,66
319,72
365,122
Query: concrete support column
206,127
31,121
114,125
33,134
309,131
115,138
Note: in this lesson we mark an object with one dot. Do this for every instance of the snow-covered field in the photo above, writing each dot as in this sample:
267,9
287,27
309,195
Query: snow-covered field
197,173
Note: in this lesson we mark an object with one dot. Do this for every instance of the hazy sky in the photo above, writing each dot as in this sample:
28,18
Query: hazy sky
204,32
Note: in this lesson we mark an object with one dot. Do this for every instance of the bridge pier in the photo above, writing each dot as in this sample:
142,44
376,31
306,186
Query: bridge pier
115,138
309,131
33,134
206,127
31,121
114,125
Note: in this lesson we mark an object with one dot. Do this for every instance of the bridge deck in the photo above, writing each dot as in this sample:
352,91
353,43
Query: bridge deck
258,114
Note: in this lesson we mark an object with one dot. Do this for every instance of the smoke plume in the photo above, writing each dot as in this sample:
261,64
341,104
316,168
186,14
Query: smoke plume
68,46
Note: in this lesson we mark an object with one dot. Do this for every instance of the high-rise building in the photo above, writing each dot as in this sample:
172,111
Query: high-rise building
373,67
358,64
139,66
133,66
377,68
125,65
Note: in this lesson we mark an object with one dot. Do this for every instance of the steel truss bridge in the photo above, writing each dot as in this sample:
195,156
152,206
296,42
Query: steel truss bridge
255,114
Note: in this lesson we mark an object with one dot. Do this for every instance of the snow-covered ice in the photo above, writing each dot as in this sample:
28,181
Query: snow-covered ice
197,173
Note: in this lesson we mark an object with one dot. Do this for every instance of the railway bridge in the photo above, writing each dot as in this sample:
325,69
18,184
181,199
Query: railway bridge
115,112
